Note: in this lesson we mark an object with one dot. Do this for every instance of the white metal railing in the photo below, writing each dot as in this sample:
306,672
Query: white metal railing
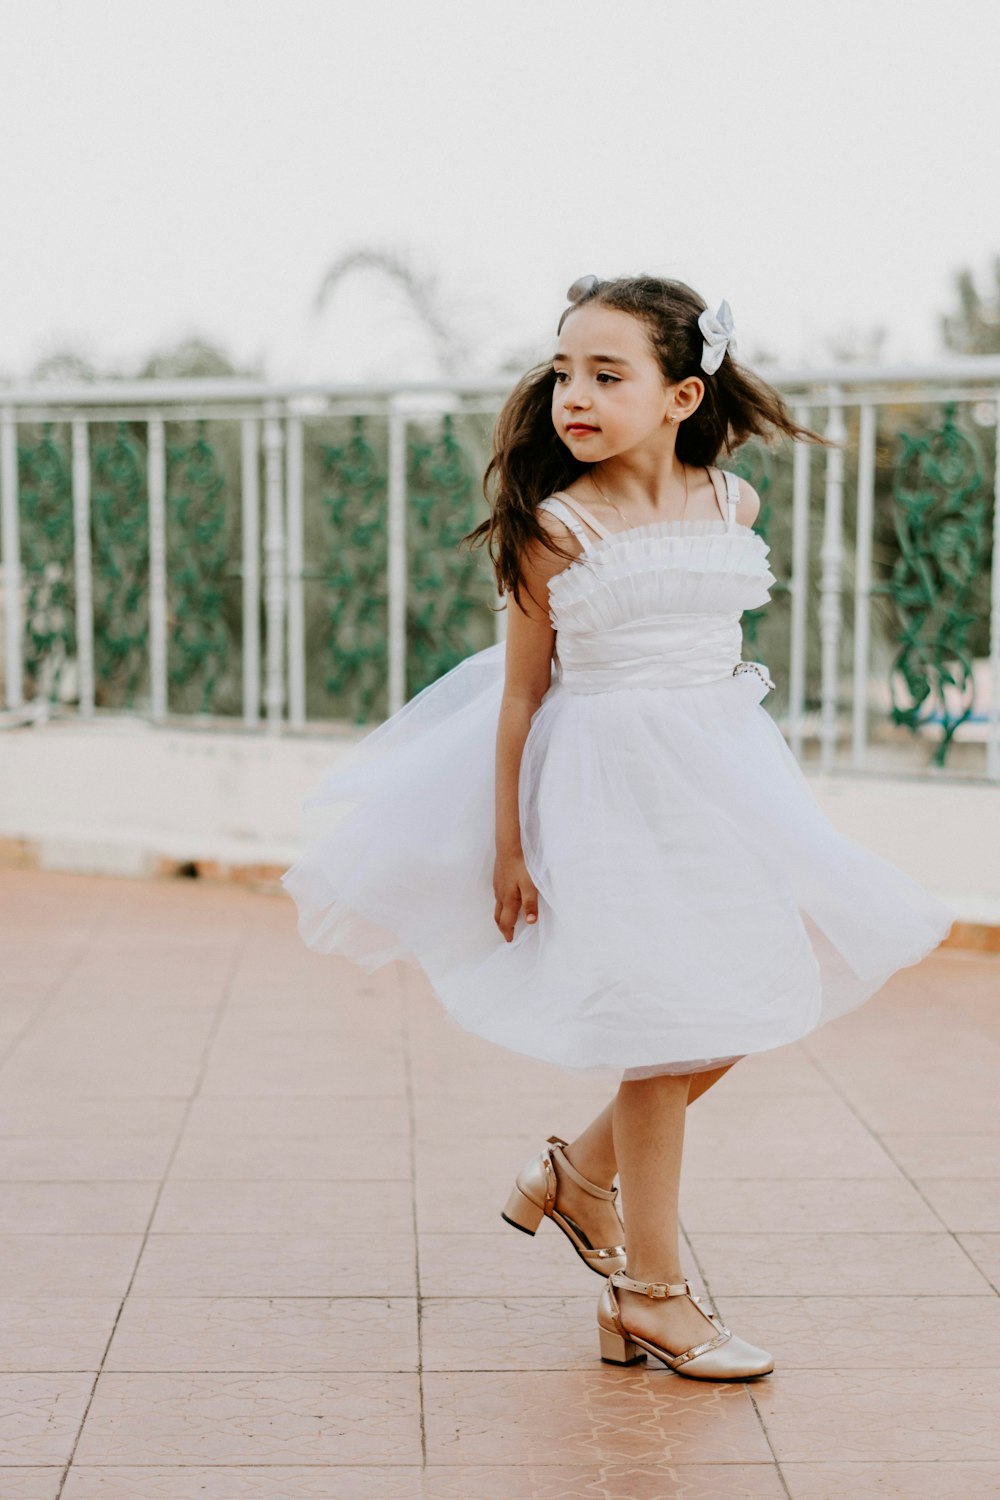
273,420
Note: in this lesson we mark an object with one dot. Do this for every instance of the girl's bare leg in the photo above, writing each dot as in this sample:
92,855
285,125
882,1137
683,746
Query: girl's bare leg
593,1153
648,1124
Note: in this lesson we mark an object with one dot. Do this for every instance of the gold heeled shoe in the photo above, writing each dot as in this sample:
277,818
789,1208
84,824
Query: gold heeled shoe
721,1357
534,1196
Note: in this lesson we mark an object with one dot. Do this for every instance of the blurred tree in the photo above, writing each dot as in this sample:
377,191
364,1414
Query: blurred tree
422,291
192,358
974,327
65,365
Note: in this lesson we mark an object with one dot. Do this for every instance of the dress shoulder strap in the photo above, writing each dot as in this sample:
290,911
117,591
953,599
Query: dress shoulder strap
560,509
732,495
584,514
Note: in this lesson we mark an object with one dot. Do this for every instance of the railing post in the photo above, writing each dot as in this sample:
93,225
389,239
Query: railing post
397,557
296,602
83,575
156,482
250,506
863,583
832,555
274,570
9,499
799,587
993,728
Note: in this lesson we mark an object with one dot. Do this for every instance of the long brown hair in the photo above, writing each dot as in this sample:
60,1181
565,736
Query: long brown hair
530,460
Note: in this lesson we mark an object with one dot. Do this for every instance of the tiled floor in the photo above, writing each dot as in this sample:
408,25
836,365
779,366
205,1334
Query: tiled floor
250,1244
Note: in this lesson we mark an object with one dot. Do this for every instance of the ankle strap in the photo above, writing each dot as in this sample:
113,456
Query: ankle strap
559,1151
651,1288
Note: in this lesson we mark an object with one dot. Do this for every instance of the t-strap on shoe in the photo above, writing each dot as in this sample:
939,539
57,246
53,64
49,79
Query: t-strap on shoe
722,1356
534,1195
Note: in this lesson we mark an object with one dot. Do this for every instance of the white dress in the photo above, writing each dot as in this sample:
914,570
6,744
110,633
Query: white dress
695,903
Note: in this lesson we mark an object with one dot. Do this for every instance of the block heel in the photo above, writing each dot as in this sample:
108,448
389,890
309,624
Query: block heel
522,1212
534,1197
618,1351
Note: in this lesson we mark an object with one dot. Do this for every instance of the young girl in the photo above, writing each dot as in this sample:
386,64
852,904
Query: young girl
592,835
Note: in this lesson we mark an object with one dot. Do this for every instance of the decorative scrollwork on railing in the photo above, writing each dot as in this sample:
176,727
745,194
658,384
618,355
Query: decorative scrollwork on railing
355,575
939,514
197,551
47,561
121,568
445,583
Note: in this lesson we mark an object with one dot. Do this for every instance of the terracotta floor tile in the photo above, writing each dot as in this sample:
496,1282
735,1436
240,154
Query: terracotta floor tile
492,1113
309,1116
816,1265
55,1333
893,1481
510,1333
271,1482
294,1065
927,1154
503,1265
640,1481
67,1265
879,1416
797,1205
42,1114
40,1416
624,1416
799,1148
984,1251
971,1205
76,1207
330,1156
274,1265
54,1159
825,1333
41,1483
266,1334
349,1209
252,1419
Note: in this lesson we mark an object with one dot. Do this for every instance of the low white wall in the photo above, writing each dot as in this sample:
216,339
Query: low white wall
117,796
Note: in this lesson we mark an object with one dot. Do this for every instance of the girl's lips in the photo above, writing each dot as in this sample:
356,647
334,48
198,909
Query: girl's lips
578,428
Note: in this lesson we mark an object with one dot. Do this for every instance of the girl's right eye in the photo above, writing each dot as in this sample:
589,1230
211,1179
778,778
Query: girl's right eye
600,375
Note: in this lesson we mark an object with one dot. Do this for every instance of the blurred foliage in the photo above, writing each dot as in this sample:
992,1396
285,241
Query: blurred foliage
974,326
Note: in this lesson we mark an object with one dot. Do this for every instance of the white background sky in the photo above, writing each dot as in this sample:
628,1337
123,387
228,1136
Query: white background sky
194,167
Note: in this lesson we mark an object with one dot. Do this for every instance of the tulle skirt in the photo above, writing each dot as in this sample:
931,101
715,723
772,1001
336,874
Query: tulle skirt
694,902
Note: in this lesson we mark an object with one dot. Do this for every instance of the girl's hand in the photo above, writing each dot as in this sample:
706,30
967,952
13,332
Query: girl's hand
515,891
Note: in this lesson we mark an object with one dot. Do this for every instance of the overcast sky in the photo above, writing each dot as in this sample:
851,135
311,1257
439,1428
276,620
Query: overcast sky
195,166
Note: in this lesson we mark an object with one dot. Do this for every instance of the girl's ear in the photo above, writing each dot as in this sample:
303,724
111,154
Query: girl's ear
688,395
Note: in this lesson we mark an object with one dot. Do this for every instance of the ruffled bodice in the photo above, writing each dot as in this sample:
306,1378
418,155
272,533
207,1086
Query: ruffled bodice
657,605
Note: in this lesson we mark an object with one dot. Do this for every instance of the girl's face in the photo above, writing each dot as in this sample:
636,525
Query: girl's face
610,394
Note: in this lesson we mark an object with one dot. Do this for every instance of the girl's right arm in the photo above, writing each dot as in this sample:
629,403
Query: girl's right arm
530,643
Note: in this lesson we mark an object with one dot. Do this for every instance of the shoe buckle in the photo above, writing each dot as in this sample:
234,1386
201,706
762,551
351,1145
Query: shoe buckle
656,1288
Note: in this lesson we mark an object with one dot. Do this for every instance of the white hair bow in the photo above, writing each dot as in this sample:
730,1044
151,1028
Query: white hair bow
717,329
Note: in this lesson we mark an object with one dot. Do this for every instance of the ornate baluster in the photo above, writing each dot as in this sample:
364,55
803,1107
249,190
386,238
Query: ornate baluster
47,566
355,576
121,568
446,582
198,545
